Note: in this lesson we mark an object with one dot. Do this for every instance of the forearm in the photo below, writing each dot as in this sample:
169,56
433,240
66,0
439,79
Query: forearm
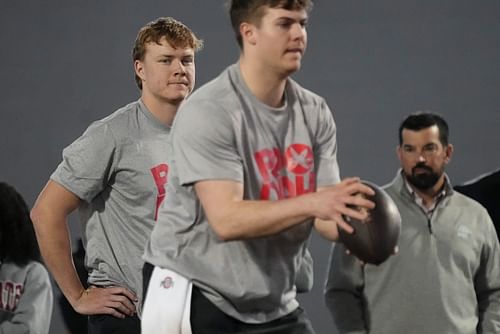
233,217
49,216
54,241
252,219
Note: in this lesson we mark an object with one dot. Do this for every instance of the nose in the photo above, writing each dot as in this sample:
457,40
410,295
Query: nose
299,31
421,157
180,68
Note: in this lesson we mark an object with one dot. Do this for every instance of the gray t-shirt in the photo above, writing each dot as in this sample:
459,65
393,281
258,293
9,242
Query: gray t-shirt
118,167
223,132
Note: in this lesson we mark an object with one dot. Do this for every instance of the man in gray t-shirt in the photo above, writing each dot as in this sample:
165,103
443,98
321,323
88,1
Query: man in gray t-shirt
115,175
254,170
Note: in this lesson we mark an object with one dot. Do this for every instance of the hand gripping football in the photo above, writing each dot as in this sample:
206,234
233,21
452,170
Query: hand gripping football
374,239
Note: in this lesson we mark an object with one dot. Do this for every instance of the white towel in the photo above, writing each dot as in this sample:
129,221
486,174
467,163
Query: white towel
167,307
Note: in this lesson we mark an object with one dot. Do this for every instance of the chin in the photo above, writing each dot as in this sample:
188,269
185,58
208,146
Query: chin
178,96
175,100
291,69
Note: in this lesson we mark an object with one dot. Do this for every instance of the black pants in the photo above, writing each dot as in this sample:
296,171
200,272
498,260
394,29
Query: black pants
147,271
206,318
107,324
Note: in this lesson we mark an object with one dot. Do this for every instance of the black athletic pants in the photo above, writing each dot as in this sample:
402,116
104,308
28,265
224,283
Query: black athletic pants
107,324
206,318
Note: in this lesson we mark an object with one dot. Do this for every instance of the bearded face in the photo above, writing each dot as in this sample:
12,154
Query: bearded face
423,158
424,177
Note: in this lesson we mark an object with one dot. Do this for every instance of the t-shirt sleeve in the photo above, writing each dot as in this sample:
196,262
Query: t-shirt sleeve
87,162
325,148
204,144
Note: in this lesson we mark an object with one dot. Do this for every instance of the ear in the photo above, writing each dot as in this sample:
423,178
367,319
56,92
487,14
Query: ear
398,152
449,152
247,31
139,69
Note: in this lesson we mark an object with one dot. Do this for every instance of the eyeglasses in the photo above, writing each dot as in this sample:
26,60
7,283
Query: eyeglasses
427,151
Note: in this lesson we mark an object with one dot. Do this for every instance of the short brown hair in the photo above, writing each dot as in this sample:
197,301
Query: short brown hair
178,35
251,11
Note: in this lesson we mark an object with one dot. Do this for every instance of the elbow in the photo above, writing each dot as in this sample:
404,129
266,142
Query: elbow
38,216
35,215
224,234
223,230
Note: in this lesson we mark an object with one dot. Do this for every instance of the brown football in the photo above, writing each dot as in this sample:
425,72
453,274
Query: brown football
374,240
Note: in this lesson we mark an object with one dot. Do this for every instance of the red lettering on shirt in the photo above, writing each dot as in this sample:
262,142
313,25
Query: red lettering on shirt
287,174
10,294
270,163
160,173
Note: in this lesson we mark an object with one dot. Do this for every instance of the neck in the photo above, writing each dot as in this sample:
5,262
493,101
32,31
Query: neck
266,85
162,110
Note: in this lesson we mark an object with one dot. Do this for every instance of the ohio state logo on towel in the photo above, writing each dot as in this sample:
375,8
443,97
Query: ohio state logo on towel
167,282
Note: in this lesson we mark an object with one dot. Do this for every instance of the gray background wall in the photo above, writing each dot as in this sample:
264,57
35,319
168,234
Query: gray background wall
66,63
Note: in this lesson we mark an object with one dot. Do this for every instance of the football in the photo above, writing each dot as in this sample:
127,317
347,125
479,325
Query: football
375,238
